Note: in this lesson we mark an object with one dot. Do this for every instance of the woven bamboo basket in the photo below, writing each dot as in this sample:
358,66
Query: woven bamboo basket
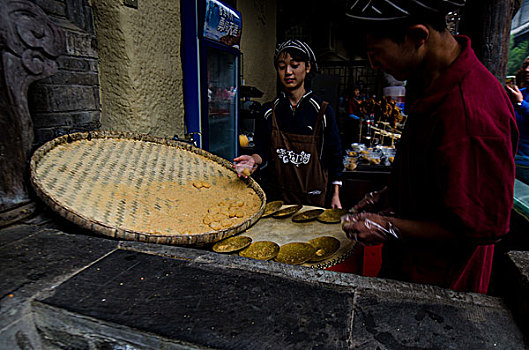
141,188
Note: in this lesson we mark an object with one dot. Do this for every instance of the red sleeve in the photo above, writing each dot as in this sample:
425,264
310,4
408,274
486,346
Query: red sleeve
476,166
479,179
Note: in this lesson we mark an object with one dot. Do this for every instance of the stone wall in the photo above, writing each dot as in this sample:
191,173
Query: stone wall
140,66
123,70
68,101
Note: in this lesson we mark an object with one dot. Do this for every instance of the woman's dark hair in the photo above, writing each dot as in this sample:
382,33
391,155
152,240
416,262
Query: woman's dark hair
295,54
520,74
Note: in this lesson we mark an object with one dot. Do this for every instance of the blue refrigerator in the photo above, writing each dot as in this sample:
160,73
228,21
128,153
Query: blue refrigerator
211,32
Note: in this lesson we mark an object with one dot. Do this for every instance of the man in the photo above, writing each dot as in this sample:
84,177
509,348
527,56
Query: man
451,189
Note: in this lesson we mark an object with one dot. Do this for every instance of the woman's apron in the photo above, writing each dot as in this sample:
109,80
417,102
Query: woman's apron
299,176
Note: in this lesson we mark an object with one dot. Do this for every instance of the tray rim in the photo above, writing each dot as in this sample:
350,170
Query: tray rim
128,234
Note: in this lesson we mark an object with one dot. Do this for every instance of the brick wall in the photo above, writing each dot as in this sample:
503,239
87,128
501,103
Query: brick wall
68,101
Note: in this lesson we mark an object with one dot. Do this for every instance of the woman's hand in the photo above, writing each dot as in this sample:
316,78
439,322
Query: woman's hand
335,200
245,165
514,93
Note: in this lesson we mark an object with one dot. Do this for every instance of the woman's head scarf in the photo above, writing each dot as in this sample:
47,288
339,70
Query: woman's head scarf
299,46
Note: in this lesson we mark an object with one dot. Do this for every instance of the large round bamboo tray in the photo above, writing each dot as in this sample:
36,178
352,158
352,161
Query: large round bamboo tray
283,231
70,173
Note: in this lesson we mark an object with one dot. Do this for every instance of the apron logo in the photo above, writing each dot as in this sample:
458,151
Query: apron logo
290,156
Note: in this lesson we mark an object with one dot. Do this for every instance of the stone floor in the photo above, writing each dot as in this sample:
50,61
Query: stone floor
65,288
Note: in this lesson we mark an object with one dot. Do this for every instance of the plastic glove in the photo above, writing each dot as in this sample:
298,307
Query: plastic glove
369,229
244,165
369,201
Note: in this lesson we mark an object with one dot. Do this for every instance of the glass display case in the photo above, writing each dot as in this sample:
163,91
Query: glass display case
222,99
211,32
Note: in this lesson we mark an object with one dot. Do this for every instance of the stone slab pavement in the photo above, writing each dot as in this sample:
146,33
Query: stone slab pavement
78,291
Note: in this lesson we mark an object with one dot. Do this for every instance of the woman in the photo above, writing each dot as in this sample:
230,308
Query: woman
297,143
519,95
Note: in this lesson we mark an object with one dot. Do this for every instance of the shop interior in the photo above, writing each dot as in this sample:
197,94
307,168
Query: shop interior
368,104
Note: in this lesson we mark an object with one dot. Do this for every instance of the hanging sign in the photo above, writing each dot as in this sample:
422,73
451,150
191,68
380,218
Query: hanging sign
222,24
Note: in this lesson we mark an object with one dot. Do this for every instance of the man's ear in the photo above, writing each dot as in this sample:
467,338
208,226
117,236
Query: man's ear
418,33
308,67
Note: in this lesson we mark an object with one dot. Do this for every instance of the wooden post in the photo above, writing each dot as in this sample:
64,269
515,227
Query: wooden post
29,45
488,24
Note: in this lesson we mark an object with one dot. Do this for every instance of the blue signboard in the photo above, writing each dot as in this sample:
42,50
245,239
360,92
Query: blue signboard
222,24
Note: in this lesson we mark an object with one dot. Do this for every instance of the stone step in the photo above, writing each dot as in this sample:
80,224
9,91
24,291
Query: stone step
78,291
516,290
146,295
33,260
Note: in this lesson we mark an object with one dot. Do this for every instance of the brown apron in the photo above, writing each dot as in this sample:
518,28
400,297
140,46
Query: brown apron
299,175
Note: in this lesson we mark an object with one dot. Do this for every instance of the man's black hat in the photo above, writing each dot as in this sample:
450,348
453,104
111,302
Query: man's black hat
391,10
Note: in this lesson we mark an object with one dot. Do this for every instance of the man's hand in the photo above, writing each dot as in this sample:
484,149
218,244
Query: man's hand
369,201
369,229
